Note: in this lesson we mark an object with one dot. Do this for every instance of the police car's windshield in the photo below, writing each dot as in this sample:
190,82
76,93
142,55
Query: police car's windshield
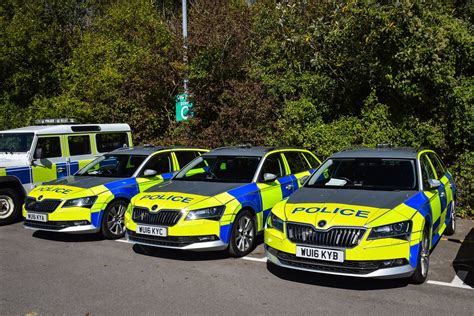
15,142
366,174
115,166
220,169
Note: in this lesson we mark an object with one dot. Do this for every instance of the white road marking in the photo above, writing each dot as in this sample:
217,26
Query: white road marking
122,240
456,282
255,259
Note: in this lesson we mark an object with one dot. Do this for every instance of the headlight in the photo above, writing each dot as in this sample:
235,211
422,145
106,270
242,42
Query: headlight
86,202
274,221
212,213
400,230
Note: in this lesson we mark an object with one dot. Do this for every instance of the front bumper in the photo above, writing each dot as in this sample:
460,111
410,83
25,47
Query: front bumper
177,242
61,227
362,269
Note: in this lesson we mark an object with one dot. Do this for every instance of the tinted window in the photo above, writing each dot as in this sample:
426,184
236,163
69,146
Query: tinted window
16,142
296,162
220,169
79,145
366,173
426,171
185,157
48,147
437,165
313,161
273,164
116,166
161,163
111,141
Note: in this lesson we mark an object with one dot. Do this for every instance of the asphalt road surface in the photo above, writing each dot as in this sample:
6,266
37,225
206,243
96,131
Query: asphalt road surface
46,273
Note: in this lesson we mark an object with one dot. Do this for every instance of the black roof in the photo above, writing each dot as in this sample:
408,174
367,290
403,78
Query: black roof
397,152
245,150
145,150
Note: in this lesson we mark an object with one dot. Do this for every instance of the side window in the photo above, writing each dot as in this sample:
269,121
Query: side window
296,162
48,147
314,163
426,171
161,163
111,141
437,165
185,157
79,145
273,164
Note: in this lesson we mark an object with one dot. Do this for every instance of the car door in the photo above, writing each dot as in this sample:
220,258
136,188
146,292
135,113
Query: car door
427,173
161,163
274,191
445,190
48,162
80,152
299,167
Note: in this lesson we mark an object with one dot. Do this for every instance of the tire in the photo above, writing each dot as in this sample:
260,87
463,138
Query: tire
451,227
112,225
10,206
243,235
423,261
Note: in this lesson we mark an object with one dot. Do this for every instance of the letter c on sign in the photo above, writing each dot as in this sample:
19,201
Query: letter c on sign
185,112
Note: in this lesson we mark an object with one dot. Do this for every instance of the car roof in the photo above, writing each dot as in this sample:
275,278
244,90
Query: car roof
68,129
146,150
397,152
245,150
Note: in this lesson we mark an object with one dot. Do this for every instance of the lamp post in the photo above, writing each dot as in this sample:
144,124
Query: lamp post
185,43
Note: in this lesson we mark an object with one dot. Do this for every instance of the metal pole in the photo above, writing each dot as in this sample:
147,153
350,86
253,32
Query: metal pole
185,43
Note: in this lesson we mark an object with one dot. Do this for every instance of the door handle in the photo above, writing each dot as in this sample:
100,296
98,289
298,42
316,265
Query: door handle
61,169
289,186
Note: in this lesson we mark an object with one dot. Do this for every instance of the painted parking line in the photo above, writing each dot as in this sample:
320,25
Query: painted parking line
255,259
456,282
122,240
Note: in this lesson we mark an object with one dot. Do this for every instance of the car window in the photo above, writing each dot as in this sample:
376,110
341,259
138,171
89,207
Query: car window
313,161
426,171
48,147
115,166
16,142
296,162
79,145
437,165
186,156
161,163
273,164
110,141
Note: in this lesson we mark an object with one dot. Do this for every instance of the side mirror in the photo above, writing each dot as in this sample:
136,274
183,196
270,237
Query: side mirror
38,153
149,173
269,177
304,179
433,184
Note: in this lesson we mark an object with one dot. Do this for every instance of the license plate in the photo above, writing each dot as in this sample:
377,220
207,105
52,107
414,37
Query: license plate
37,217
152,230
320,254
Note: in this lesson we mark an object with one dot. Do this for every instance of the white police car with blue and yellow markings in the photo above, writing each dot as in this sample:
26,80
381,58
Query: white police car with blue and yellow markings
96,197
365,213
219,201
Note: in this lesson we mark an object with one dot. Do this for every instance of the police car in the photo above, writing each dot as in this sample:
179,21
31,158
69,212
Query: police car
366,213
52,149
219,201
96,197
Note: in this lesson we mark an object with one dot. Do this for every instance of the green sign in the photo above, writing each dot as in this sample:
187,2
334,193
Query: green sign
183,107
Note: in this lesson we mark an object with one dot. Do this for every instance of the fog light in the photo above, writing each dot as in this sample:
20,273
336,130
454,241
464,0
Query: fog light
207,238
79,223
387,263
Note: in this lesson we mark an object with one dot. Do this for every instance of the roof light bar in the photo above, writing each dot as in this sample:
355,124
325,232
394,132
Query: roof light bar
55,121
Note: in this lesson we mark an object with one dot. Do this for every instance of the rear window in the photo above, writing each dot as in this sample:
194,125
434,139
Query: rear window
185,157
296,162
111,141
366,173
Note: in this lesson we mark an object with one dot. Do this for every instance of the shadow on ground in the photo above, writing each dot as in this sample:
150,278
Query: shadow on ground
464,262
334,281
63,237
175,254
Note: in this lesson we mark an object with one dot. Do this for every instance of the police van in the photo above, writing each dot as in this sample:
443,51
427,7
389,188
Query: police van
52,149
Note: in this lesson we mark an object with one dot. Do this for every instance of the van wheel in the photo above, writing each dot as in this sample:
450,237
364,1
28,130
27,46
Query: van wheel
244,231
423,262
10,206
113,226
451,227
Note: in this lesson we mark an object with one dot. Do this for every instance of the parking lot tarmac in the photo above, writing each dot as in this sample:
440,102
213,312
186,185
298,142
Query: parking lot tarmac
49,273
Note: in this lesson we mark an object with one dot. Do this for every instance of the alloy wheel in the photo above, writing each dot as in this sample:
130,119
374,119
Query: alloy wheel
6,206
245,234
115,221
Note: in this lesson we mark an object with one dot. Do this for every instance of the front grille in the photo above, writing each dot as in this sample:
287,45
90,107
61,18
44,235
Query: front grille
340,237
45,206
170,241
162,217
